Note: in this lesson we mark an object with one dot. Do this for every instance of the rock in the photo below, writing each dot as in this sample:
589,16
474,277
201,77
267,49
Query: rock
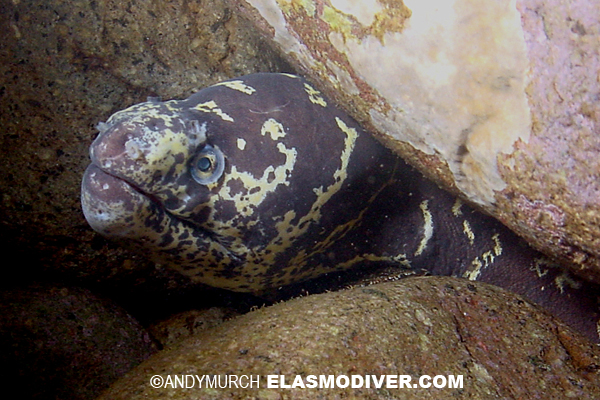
495,101
64,342
177,327
417,326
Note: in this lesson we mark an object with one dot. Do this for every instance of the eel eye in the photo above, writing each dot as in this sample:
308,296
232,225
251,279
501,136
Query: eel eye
208,165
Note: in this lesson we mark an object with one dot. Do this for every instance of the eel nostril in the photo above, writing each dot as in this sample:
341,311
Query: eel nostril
133,149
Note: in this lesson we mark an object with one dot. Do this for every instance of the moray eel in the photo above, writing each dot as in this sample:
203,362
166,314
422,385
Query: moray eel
260,181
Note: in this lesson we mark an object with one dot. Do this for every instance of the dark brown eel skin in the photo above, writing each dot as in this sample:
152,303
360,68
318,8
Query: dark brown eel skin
260,182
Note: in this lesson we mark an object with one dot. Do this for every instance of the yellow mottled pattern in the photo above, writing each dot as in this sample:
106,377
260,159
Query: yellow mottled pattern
238,85
487,258
468,231
246,201
273,128
288,231
157,149
212,107
456,207
314,95
257,188
427,228
241,144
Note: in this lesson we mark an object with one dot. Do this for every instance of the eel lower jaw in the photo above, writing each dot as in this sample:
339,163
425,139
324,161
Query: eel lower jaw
107,201
118,209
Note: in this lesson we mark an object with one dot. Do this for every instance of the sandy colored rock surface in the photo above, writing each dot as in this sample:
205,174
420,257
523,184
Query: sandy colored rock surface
496,101
503,347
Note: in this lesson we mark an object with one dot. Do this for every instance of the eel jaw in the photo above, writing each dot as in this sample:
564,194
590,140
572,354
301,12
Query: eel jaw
109,203
116,209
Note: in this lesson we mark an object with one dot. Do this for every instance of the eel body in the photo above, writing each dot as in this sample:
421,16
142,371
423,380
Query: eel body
260,182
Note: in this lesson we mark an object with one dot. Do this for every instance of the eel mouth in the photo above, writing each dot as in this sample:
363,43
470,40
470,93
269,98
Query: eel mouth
118,208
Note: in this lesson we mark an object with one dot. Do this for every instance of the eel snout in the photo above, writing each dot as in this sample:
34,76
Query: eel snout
109,204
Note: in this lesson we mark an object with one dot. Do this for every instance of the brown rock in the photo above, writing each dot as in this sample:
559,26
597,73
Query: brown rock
63,342
177,327
501,345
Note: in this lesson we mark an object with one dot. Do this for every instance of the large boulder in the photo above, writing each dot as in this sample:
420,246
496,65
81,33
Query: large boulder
501,345
497,101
